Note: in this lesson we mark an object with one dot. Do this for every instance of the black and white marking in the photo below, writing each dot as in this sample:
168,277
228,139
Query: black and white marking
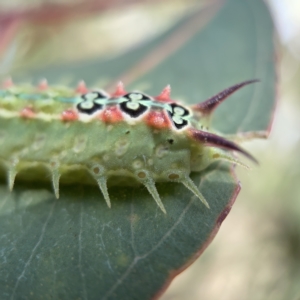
179,115
92,102
135,104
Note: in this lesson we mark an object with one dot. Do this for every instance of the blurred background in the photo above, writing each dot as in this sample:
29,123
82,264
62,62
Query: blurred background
256,254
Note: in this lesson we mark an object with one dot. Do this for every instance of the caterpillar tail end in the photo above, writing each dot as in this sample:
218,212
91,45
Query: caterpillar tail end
188,183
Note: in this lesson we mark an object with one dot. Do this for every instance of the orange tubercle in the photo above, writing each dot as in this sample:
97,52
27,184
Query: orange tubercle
27,113
81,88
8,83
164,96
158,119
120,91
111,115
43,85
69,115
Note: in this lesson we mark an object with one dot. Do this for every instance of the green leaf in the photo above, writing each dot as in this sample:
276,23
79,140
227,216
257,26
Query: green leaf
77,248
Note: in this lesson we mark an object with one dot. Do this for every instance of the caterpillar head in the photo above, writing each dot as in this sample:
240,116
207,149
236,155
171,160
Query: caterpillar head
196,117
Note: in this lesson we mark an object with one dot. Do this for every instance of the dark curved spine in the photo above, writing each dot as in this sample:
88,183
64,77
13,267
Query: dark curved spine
210,104
213,140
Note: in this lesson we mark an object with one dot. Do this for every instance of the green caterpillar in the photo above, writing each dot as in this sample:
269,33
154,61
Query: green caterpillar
126,137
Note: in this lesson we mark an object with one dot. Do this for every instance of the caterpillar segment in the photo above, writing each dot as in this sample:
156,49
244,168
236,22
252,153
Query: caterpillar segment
89,136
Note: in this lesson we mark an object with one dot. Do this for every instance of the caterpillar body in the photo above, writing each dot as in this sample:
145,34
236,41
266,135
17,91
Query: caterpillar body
87,135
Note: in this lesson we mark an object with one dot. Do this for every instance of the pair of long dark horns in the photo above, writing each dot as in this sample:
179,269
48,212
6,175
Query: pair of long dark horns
206,108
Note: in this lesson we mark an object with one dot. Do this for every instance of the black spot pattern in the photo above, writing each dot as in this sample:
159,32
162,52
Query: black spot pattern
133,106
92,102
178,115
